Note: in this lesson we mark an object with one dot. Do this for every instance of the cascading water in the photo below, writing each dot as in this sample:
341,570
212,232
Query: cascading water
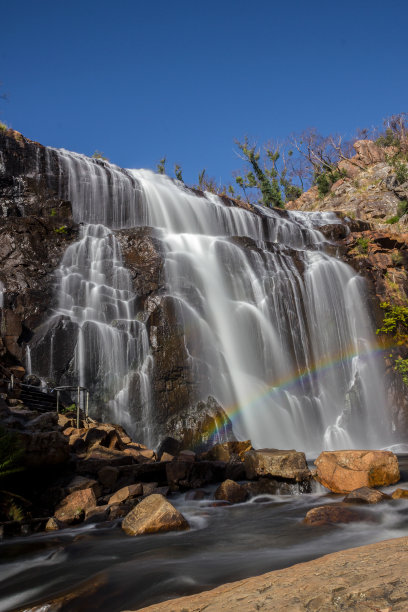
275,328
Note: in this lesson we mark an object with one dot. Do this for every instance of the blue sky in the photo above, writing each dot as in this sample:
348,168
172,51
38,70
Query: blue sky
139,80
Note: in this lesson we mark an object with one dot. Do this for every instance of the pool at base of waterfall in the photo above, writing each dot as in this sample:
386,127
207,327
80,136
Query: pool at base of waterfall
100,568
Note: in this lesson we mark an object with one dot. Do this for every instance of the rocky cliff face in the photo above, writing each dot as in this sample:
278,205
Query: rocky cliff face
35,226
373,201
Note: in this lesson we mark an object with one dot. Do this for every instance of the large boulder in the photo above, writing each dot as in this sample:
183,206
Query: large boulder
154,514
126,494
231,491
72,508
46,448
281,464
334,513
229,451
344,471
365,495
201,425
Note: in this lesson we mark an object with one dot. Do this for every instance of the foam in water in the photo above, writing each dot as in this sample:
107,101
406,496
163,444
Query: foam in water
276,329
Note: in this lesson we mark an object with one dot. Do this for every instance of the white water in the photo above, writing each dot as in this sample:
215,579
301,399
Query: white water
276,328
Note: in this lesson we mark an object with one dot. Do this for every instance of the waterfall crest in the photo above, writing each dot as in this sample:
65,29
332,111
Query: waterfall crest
276,329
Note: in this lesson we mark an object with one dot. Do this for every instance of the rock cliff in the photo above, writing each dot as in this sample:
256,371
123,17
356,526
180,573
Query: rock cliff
373,198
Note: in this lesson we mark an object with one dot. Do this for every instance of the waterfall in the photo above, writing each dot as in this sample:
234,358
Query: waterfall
275,327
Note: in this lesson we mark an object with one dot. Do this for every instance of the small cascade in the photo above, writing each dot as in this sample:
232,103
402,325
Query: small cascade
275,328
97,304
29,367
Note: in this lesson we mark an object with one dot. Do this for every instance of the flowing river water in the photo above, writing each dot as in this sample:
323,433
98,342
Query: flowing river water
112,571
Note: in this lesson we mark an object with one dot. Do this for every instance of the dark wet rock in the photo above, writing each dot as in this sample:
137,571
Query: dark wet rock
46,448
108,476
365,495
280,464
97,514
127,493
154,514
78,483
170,446
200,424
228,451
334,513
99,458
72,508
231,491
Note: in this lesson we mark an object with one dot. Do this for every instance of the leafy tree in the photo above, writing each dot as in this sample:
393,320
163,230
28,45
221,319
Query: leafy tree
178,172
161,166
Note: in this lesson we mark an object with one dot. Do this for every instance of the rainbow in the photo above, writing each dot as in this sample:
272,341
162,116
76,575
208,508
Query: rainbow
296,379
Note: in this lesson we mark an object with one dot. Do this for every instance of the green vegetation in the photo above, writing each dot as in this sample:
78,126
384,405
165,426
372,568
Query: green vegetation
402,208
397,258
393,220
99,155
401,366
161,166
61,230
53,212
11,453
178,172
326,179
362,245
395,322
3,127
401,172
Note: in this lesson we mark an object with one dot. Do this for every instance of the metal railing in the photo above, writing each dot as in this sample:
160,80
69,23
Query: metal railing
78,405
79,389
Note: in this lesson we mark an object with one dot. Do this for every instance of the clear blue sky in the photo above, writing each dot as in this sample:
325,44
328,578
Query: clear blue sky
141,79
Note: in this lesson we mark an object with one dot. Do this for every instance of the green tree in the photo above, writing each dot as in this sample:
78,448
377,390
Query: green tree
161,166
178,172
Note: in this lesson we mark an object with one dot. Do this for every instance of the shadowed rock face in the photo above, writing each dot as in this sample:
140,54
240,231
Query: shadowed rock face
36,227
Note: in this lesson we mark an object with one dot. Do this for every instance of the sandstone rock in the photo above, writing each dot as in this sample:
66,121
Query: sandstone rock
188,475
169,445
228,451
231,491
78,483
118,511
166,457
344,471
288,465
107,476
101,457
364,579
333,513
72,508
365,495
154,514
44,448
126,493
400,494
52,524
97,514
149,488
187,455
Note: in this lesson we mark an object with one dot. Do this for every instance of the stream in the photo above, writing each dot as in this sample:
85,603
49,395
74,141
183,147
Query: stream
225,543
